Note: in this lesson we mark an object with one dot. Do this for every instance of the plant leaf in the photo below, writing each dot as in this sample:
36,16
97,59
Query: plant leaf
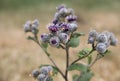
74,42
44,45
89,59
85,76
84,52
75,77
76,34
107,52
78,66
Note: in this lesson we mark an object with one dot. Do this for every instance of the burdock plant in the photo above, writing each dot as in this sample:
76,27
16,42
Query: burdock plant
62,34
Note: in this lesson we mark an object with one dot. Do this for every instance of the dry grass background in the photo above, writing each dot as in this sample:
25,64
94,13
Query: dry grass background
18,56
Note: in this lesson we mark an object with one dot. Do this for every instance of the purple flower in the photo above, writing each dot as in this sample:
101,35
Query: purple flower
60,7
53,28
45,37
71,18
65,27
54,41
63,37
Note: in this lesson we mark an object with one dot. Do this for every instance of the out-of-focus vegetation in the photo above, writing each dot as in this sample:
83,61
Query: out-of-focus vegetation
86,4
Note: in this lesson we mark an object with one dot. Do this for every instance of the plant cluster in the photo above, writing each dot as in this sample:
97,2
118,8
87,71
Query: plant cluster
62,34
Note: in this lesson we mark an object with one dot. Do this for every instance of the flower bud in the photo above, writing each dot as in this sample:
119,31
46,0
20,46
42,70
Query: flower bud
93,33
53,28
113,40
44,70
48,78
45,37
27,27
91,40
60,7
72,27
71,18
102,37
50,68
54,41
35,73
63,11
101,48
41,77
35,24
63,37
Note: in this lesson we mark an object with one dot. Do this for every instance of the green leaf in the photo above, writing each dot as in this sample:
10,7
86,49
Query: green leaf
107,52
89,59
85,76
84,52
74,42
76,34
75,77
78,66
55,71
44,45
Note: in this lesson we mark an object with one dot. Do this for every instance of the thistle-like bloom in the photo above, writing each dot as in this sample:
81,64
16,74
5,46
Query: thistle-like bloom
63,37
93,33
31,26
50,68
71,18
54,41
102,37
53,28
91,40
101,48
60,7
35,73
92,36
65,27
73,27
45,37
41,77
44,70
113,40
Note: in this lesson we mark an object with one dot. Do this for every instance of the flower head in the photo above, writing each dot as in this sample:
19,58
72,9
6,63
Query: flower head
63,37
54,41
101,48
71,18
31,26
45,37
35,73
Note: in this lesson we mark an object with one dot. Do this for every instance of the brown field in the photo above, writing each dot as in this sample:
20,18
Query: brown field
18,56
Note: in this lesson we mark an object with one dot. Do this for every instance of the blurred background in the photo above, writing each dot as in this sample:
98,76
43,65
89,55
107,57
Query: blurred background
18,56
